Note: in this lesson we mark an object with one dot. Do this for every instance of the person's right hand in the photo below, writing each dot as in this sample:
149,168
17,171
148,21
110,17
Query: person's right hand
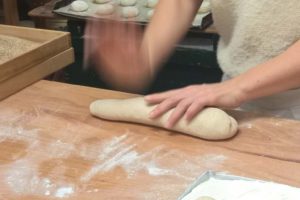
116,49
189,101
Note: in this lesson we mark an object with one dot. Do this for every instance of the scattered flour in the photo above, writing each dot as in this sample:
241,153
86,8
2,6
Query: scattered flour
17,133
20,134
59,149
247,125
64,192
23,179
212,160
119,152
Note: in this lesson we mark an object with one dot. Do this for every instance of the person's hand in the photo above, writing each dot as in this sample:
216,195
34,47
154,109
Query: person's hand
115,48
189,101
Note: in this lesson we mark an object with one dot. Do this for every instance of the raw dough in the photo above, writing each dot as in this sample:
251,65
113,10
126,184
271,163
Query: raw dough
128,2
106,9
205,198
150,14
205,7
129,12
79,6
210,124
101,1
151,3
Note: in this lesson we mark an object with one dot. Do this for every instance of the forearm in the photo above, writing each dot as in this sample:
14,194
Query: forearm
276,75
169,24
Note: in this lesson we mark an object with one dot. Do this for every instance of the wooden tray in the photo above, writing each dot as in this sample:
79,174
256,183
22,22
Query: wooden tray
54,47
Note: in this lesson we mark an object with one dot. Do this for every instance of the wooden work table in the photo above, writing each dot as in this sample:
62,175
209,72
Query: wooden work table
52,148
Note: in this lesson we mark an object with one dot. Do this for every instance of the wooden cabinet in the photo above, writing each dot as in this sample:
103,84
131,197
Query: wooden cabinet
10,12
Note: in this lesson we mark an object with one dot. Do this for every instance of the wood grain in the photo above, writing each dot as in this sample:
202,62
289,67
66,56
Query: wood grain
35,73
11,15
48,136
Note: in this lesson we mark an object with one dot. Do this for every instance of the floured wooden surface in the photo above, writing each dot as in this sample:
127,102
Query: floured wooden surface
51,148
11,47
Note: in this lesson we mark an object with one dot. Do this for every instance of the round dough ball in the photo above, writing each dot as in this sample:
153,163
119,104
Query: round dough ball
205,198
151,3
101,1
128,2
106,9
150,14
205,7
79,6
129,12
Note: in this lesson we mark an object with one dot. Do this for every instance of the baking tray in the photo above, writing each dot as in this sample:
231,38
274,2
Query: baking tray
202,20
225,176
53,52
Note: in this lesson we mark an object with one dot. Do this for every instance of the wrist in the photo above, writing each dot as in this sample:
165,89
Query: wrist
238,90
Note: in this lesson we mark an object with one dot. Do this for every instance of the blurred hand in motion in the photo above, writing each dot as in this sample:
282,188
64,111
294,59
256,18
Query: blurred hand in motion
189,101
116,50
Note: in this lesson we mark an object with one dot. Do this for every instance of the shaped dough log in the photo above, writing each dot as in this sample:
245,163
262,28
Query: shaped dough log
210,124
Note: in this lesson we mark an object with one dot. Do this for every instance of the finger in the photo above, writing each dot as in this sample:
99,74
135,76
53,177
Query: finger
164,107
135,30
102,29
178,112
160,97
194,109
129,46
132,42
133,45
100,35
115,16
112,29
91,37
124,39
107,37
87,44
97,28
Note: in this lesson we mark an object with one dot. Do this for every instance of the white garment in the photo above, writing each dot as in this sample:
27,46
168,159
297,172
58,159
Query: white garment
252,32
